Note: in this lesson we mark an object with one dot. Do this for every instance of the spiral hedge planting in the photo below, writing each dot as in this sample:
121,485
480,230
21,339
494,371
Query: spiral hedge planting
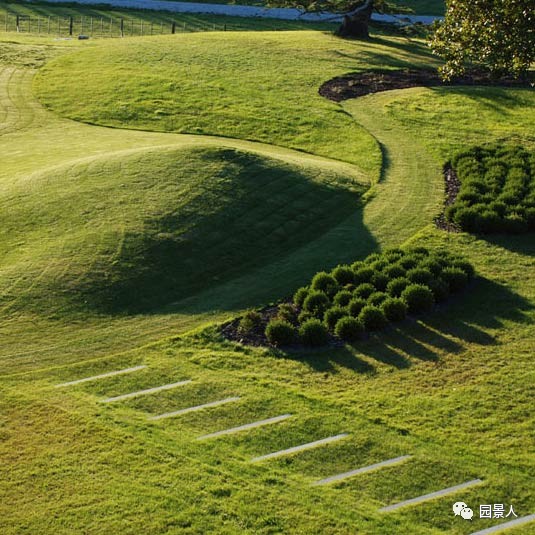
497,190
366,296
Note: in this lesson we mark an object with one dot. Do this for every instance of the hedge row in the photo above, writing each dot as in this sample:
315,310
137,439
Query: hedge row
497,192
368,295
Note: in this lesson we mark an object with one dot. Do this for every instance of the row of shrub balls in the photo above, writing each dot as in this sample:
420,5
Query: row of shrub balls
497,190
366,296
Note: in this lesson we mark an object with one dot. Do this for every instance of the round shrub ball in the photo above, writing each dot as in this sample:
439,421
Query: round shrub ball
419,298
355,306
349,329
316,303
380,280
377,298
467,218
430,264
280,332
364,275
372,318
300,296
395,271
251,321
409,261
455,278
379,265
304,316
324,282
364,290
342,298
313,333
287,312
440,289
359,264
372,258
343,275
332,316
395,309
420,275
396,286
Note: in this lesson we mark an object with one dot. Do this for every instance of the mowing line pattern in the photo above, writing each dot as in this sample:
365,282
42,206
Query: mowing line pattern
245,427
431,496
145,392
194,409
507,525
363,470
102,376
302,447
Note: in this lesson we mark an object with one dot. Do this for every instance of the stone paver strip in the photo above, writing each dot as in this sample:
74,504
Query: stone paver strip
506,525
145,392
363,470
431,496
102,376
193,409
245,427
302,447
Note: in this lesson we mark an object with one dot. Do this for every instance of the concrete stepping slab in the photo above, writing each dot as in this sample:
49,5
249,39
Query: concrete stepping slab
302,447
193,409
245,427
101,376
507,525
431,496
145,392
363,470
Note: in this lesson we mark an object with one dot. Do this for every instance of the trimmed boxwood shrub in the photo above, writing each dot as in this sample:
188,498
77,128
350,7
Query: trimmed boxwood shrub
349,329
385,288
355,306
251,321
364,290
332,316
316,303
280,332
394,309
342,298
419,298
373,318
496,183
313,333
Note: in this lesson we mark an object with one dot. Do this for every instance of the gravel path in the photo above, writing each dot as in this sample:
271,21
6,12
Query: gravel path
241,11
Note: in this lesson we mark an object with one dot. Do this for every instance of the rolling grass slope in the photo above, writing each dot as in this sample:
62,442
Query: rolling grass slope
453,391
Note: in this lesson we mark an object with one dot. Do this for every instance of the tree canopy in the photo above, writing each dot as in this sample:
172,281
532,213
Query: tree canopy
497,35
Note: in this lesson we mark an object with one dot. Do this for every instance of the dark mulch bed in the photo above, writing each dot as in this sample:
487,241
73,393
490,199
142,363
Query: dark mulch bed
366,83
453,185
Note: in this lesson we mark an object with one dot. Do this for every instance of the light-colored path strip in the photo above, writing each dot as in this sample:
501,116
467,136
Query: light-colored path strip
433,495
260,423
302,447
193,409
507,525
102,376
145,392
363,470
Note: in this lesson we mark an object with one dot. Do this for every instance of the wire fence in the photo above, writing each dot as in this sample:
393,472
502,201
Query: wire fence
85,27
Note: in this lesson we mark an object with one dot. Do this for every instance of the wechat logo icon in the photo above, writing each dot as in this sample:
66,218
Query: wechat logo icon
461,509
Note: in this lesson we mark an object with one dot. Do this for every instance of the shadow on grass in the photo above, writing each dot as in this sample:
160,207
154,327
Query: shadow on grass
523,244
465,319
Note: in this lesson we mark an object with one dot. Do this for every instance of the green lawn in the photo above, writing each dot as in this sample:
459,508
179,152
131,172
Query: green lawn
223,161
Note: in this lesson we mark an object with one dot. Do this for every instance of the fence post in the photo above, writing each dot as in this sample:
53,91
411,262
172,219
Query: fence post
161,27
122,28
132,27
173,27
101,26
70,25
48,25
18,23
82,24
141,27
111,26
151,27
59,26
38,25
91,27
7,19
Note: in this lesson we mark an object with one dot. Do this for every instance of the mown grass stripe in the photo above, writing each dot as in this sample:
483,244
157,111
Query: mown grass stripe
193,409
145,392
102,376
302,447
431,496
507,525
363,470
245,427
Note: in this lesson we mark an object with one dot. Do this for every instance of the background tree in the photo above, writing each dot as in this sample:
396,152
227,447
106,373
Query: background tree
356,13
498,35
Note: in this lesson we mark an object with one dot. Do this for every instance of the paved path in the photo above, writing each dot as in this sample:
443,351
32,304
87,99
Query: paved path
242,11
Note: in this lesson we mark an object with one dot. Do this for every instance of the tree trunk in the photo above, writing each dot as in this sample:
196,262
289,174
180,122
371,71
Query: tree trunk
356,25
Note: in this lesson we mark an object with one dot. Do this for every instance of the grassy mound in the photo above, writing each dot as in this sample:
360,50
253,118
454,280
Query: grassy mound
366,296
497,190
151,227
